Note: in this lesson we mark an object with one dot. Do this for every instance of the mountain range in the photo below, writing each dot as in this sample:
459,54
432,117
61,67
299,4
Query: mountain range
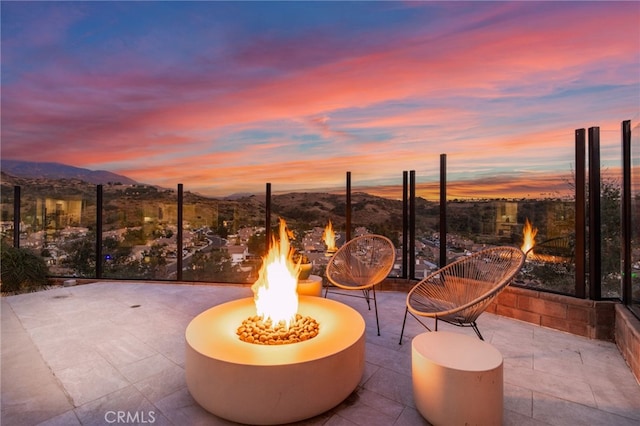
301,209
28,169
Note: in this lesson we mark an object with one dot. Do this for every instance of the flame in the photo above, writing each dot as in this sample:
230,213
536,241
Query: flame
529,237
276,289
329,237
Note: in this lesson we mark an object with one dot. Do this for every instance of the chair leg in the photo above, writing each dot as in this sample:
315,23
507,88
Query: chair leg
366,297
475,328
375,305
406,310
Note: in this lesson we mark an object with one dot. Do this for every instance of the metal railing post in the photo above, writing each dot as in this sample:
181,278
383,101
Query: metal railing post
412,224
348,208
267,217
99,257
16,216
580,223
443,211
595,220
627,229
179,237
405,223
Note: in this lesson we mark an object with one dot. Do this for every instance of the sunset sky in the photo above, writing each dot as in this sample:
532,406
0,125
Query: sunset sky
224,97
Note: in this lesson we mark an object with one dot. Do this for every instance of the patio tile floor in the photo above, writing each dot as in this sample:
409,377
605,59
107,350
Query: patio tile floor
79,355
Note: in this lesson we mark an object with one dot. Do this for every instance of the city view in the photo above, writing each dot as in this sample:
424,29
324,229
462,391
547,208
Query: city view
223,240
192,192
224,98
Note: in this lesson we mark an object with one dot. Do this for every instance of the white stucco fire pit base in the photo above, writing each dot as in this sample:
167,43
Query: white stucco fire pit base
261,384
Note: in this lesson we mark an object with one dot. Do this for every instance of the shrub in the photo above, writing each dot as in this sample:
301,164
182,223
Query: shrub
22,270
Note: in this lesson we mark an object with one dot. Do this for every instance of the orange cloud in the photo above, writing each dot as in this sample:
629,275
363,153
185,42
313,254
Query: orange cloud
498,90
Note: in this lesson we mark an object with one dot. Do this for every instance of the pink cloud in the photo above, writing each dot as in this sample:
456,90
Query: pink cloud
129,114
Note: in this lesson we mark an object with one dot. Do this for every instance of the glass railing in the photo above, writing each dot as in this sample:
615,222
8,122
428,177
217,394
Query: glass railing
635,221
58,224
547,224
138,232
224,240
7,214
153,234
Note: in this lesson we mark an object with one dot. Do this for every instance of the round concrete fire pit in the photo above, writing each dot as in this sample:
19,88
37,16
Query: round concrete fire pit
260,384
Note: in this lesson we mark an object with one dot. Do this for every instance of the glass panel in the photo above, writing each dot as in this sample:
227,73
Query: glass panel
311,216
635,219
223,239
58,223
378,210
6,207
610,211
32,220
427,233
139,230
478,224
77,248
551,261
427,224
482,214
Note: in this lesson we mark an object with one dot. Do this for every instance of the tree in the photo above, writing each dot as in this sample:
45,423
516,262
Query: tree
214,266
116,259
134,237
256,244
22,270
610,205
81,257
610,196
153,264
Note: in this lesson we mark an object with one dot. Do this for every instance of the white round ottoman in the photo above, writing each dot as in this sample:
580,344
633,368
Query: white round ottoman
457,379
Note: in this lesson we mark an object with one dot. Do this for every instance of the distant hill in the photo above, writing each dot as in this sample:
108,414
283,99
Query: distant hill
377,214
28,169
302,210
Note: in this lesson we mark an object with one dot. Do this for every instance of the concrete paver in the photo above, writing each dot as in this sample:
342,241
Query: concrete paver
84,354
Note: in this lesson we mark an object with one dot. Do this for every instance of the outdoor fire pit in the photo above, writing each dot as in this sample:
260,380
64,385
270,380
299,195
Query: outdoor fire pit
284,380
263,384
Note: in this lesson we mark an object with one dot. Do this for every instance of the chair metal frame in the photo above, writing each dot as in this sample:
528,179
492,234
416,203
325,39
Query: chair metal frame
462,290
361,264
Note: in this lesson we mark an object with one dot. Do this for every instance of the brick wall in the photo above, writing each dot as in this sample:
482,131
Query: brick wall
627,335
603,320
588,318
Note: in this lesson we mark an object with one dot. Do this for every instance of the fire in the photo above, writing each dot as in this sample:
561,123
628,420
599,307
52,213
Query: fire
529,237
275,290
329,237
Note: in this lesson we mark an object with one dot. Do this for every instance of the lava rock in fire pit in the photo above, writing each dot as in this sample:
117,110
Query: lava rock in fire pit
255,330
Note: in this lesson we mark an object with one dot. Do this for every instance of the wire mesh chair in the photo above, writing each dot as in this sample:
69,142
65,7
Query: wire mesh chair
459,292
360,264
